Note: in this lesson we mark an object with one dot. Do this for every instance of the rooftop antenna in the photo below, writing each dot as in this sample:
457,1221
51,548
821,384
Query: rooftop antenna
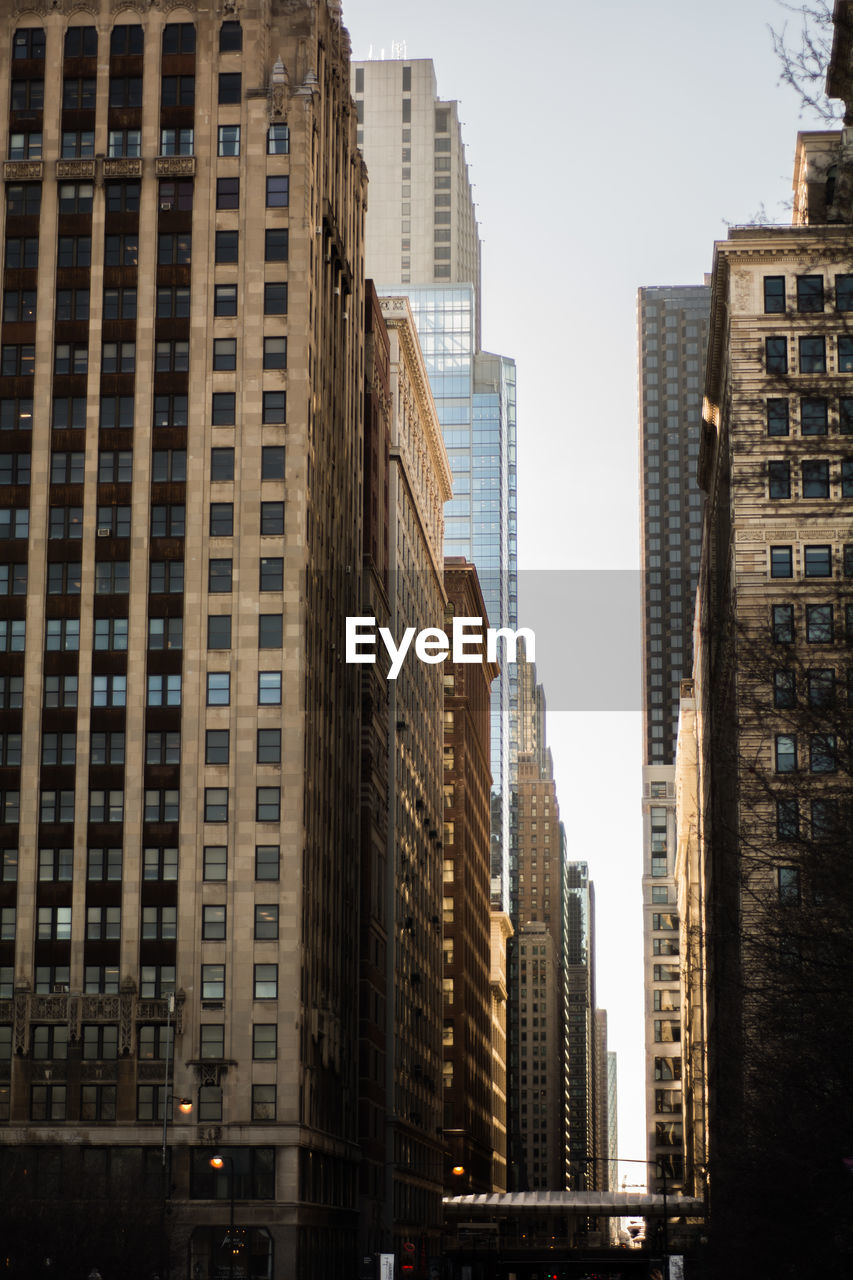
398,49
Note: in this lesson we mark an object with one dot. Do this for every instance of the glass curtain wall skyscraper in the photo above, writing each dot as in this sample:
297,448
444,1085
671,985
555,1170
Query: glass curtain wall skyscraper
422,240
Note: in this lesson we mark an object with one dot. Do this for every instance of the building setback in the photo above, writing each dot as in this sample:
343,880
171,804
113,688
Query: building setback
179,817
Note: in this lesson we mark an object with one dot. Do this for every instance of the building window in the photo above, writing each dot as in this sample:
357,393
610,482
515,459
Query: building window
263,1102
844,293
817,561
266,922
815,478
215,862
166,577
847,478
151,1101
810,293
229,87
267,858
819,623
213,982
667,1030
269,631
824,819
278,140
100,1043
823,753
219,576
219,631
269,688
230,37
106,806
271,573
779,479
54,923
213,922
788,885
781,562
218,689
278,191
776,355
216,804
225,300
228,193
845,355
274,408
216,745
782,616
275,244
774,295
121,142
264,1042
164,690
162,806
787,819
269,746
212,1041
226,248
28,43
154,1042
47,1102
275,299
275,353
784,688
56,748
266,982
174,249
165,633
120,251
786,753
176,142
160,864
156,980
224,355
171,411
272,462
228,140
111,634
102,864
268,804
812,354
223,409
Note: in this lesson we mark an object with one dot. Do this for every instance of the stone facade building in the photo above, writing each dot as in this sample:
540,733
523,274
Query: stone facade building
181,403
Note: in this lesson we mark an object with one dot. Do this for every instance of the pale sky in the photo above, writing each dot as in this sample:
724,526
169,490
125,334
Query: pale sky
609,145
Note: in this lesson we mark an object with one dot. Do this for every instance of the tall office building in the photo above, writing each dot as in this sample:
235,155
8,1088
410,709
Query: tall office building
770,866
582,1143
422,240
467,1028
673,336
422,228
179,789
419,485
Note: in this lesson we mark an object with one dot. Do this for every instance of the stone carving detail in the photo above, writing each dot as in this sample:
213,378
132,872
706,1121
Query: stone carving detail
49,1008
741,289
56,1071
75,168
174,166
21,1001
93,1072
101,1008
209,1074
153,1071
123,167
125,1025
23,170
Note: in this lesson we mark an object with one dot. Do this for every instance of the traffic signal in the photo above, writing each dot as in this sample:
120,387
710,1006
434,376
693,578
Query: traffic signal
408,1260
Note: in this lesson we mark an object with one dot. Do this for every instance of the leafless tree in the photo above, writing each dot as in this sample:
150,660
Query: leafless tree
803,44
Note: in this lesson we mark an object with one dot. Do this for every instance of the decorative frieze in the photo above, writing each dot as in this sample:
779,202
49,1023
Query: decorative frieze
23,170
123,167
75,169
175,166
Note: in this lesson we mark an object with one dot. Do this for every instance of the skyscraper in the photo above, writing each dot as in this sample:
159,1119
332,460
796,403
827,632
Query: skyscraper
673,336
181,404
421,204
768,873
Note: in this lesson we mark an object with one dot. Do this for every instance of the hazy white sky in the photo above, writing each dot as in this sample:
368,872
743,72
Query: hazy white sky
609,145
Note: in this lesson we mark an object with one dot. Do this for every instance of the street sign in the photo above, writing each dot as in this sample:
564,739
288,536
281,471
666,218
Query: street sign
386,1266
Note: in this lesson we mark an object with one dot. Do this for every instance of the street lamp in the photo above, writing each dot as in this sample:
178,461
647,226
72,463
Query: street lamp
219,1162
